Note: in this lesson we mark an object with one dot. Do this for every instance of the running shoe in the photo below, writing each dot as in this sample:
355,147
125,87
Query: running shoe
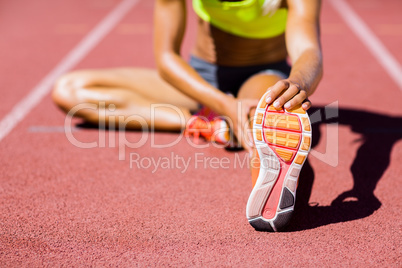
283,140
208,125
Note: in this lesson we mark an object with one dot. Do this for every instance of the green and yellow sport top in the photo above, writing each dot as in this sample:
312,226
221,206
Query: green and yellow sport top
243,18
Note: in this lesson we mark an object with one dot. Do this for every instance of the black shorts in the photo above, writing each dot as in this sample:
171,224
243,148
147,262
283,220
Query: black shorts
230,79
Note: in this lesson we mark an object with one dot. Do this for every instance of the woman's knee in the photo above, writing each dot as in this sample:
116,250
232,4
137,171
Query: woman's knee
257,85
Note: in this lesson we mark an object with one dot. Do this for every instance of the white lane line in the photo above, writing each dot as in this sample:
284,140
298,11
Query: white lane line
51,129
22,108
379,51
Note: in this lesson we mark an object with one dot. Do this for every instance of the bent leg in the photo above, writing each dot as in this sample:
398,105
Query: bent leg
118,94
283,139
257,85
254,88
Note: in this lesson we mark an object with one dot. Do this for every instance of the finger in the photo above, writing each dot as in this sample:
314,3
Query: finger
246,142
292,91
245,133
237,131
245,139
298,99
306,105
242,140
245,145
248,131
276,90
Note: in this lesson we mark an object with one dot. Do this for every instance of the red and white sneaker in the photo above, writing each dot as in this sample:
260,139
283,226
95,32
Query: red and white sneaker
216,130
208,125
283,140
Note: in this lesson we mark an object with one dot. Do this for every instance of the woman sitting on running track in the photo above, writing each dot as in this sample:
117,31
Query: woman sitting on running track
241,48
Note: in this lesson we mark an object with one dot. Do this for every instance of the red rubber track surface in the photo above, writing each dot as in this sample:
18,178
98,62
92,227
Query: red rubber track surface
63,205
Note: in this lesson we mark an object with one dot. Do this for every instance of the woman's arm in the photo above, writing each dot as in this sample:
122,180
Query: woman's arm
303,45
170,23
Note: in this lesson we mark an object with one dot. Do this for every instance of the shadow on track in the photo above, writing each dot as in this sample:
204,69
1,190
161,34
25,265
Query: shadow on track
378,135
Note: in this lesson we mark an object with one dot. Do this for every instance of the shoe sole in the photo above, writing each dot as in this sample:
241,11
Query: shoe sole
283,140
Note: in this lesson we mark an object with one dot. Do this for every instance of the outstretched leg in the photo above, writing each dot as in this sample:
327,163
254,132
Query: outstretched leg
117,94
254,88
282,138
